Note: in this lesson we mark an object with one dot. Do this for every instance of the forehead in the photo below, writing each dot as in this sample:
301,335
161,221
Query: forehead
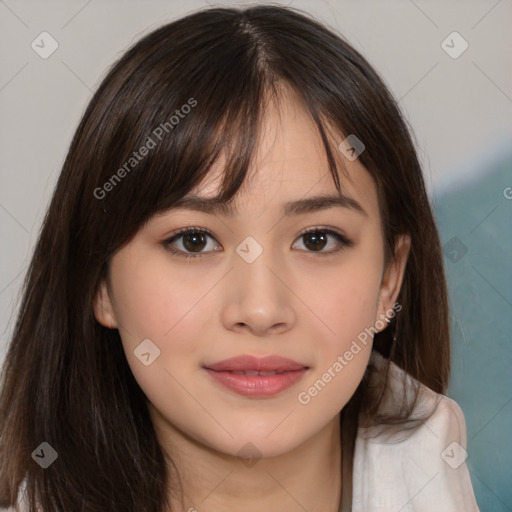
290,170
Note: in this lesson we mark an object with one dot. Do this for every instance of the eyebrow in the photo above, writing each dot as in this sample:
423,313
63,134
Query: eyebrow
298,207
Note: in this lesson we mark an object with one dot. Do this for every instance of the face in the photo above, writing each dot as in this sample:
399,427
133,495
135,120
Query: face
256,284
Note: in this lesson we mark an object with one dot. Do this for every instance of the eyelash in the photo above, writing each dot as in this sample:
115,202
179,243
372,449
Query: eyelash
343,241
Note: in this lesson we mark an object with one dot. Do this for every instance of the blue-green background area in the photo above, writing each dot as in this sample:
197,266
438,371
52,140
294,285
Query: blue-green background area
475,225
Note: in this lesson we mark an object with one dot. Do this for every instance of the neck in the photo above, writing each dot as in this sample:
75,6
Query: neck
306,478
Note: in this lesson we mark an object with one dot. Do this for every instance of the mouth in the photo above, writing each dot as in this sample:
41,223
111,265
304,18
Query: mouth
256,377
254,372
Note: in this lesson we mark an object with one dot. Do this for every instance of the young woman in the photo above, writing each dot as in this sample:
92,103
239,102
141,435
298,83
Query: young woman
237,300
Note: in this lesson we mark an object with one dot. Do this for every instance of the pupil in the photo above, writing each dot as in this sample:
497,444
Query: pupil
315,238
195,239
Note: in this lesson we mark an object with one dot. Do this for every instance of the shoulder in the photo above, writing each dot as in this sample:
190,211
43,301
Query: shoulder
417,466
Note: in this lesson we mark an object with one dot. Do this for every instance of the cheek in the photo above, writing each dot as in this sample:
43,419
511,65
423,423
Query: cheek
154,300
348,308
347,301
159,302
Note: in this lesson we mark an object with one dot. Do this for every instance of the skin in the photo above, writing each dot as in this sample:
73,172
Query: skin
299,302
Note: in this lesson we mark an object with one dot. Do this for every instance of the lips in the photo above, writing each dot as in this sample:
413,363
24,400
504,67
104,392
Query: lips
250,365
257,377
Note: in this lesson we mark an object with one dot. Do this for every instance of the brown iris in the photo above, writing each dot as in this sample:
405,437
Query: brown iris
194,241
313,239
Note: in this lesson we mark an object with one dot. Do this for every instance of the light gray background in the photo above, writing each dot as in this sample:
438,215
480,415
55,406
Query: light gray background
460,110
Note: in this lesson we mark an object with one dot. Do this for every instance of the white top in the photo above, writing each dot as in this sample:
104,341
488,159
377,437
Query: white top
417,470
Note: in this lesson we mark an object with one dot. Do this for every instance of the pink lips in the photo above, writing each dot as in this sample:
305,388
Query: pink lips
257,377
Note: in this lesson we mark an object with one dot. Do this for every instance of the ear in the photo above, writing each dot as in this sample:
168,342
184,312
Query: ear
393,277
103,307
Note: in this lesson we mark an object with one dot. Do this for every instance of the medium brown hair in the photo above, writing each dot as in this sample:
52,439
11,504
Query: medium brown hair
65,379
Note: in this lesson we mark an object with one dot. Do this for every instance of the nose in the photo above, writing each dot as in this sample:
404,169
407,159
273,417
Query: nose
258,298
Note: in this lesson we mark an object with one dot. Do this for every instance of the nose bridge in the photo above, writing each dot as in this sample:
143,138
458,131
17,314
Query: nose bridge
253,264
257,296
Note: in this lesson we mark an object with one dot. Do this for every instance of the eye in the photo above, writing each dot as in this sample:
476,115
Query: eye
317,238
195,240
